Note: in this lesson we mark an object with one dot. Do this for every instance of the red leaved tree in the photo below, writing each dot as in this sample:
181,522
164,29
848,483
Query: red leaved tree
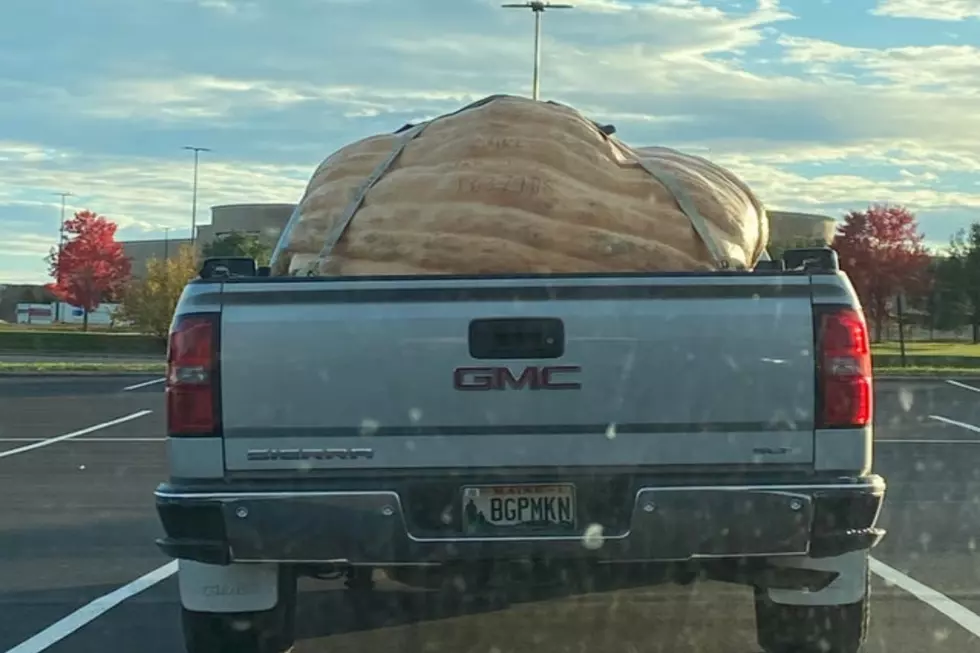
881,250
91,265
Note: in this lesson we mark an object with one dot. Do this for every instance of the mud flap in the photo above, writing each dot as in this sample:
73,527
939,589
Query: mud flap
228,589
849,587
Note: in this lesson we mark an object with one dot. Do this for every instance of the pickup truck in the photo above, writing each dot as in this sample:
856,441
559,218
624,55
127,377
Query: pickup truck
715,424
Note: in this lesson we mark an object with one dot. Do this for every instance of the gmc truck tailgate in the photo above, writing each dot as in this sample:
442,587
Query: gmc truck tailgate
689,371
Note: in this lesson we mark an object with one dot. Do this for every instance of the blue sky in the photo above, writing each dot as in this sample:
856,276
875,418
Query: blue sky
820,105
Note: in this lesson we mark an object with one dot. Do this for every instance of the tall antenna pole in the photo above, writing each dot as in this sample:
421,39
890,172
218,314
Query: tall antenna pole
197,151
61,248
537,8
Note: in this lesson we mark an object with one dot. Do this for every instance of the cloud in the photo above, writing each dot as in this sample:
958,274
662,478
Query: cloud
26,244
948,10
145,195
948,69
819,124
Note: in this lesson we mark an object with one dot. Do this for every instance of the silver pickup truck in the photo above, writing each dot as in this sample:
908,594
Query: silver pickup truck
715,424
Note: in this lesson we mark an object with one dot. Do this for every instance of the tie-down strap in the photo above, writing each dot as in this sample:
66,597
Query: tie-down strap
407,134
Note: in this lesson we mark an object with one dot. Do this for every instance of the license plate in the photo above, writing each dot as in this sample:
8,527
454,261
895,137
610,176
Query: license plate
499,509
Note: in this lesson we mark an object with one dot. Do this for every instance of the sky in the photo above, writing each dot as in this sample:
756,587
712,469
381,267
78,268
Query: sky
819,105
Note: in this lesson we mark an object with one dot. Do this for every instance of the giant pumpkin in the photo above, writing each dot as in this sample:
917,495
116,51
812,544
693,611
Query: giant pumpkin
512,185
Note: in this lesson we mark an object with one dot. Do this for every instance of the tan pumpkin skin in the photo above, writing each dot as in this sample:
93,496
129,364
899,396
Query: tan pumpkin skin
518,186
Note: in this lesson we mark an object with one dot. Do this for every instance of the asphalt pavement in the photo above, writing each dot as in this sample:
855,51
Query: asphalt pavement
77,525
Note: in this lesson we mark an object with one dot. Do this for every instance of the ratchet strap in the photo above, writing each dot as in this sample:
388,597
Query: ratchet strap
408,133
405,136
686,205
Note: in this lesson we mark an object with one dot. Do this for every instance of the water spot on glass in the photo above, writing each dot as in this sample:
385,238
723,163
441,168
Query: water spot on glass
410,445
925,539
592,537
369,426
241,625
611,431
905,398
415,414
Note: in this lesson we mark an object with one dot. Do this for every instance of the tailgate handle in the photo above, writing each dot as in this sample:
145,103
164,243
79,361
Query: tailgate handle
526,337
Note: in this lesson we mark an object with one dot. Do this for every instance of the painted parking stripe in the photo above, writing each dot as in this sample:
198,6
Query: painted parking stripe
905,441
144,384
75,434
96,439
92,611
933,598
960,384
953,422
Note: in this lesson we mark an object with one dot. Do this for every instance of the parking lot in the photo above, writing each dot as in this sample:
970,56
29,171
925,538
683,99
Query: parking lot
80,457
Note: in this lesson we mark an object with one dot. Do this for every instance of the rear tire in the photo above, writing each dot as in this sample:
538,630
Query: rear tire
269,631
812,628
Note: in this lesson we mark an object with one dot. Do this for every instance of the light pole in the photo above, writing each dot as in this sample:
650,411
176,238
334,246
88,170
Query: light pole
537,8
197,151
166,244
61,247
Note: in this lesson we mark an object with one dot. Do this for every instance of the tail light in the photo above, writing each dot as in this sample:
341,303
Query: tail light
843,369
192,376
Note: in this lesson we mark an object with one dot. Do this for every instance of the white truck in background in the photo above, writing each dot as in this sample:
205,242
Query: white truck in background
714,424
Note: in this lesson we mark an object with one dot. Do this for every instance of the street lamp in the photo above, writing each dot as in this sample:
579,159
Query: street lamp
197,151
61,247
537,8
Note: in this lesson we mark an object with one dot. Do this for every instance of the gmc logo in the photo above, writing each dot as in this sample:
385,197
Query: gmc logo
531,378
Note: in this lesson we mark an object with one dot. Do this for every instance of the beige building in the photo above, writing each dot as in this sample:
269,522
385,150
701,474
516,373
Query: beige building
789,228
263,220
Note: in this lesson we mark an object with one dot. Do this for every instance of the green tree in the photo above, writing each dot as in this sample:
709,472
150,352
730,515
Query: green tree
149,303
959,278
239,243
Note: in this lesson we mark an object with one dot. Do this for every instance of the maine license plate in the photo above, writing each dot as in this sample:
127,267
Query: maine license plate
502,509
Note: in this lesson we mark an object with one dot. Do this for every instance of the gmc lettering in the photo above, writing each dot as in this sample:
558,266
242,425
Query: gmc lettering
553,377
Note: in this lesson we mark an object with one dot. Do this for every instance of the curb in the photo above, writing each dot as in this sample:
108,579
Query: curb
76,373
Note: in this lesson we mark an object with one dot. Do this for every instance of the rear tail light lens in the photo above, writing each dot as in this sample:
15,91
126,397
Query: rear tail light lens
844,369
192,376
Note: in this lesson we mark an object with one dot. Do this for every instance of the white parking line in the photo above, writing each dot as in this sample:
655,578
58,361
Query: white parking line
953,422
958,384
934,599
897,441
91,611
75,434
144,384
102,439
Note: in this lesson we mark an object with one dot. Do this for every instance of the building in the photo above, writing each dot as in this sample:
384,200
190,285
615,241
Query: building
263,220
788,228
141,251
